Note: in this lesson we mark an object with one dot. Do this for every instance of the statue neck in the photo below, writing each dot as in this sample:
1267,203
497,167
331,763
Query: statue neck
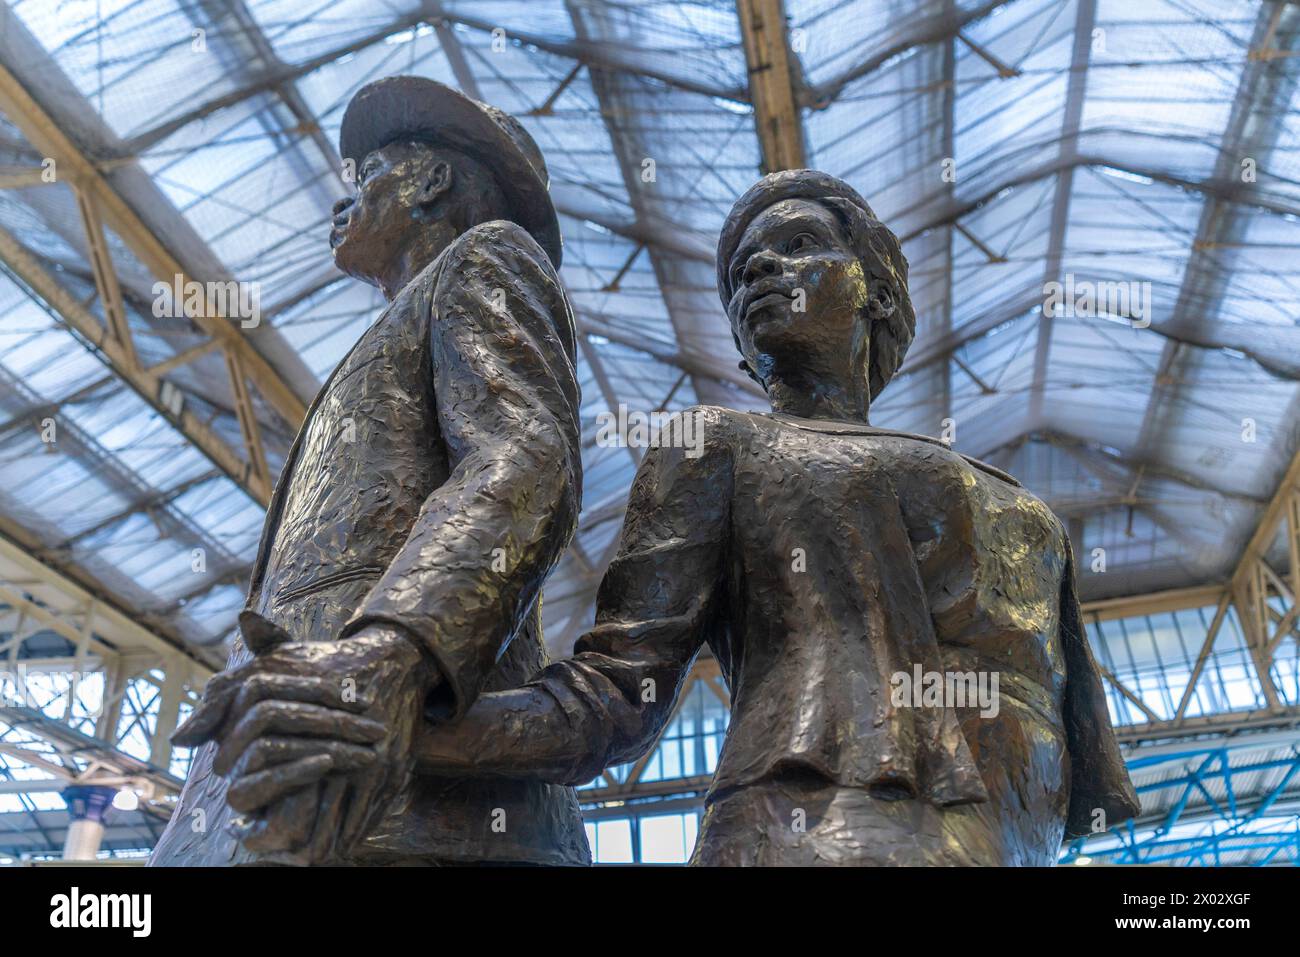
819,400
415,257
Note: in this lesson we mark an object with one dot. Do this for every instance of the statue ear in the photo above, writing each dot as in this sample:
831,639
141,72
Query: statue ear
881,304
437,182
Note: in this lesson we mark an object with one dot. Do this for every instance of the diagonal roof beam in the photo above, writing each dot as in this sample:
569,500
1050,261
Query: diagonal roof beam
589,53
88,451
1066,441
606,387
261,49
914,32
772,84
47,119
469,85
265,83
938,348
688,362
1085,19
146,383
1224,190
949,149
43,563
1251,132
593,53
595,324
146,503
604,86
646,229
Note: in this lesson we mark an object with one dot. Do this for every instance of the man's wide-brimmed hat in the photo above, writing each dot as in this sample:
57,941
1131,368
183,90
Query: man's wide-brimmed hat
416,108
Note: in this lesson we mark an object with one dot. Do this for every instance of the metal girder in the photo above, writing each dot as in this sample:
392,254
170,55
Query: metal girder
89,760
15,540
106,284
949,150
1224,190
1227,787
594,324
1173,599
268,81
264,51
1257,590
772,84
645,229
606,388
569,200
594,54
1253,584
914,32
1085,17
93,456
149,383
1266,608
469,84
608,96
22,177
1251,131
1068,442
145,504
43,721
589,53
73,165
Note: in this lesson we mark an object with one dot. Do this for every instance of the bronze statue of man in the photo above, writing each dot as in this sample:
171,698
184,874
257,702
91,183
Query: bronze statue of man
834,569
433,486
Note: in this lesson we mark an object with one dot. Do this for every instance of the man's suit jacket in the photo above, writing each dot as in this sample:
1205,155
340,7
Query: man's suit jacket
434,485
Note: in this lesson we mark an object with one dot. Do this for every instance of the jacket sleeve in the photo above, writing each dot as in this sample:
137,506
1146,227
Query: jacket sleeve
1098,778
655,607
502,347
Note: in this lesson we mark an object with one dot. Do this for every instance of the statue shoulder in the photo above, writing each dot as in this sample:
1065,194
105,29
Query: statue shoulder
993,470
499,240
495,245
720,425
992,475
695,433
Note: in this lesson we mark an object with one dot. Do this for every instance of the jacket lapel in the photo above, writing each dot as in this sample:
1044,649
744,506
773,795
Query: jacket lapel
276,507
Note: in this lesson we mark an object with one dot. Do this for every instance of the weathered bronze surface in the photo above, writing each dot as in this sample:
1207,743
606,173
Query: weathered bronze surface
433,486
822,560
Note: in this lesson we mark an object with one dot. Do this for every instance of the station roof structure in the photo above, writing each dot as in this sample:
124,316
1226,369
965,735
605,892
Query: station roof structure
1144,150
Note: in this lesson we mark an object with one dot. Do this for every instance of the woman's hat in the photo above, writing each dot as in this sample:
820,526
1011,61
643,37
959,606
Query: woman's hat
768,191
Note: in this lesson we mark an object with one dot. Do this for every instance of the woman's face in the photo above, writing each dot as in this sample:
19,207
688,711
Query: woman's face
800,290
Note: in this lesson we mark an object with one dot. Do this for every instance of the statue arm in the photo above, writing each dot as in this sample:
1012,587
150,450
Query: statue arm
502,346
1099,780
607,704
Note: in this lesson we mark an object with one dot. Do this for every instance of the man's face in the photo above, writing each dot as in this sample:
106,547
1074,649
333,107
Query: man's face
799,286
372,233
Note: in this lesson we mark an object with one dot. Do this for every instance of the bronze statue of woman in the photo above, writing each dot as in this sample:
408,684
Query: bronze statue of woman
897,623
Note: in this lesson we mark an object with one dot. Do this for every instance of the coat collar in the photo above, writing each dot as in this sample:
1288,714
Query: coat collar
837,427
